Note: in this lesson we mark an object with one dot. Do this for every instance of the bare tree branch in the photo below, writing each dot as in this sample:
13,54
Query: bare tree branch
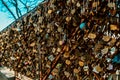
8,9
20,12
25,4
16,7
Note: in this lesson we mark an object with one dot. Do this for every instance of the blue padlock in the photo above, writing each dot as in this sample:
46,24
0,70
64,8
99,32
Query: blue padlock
116,59
82,25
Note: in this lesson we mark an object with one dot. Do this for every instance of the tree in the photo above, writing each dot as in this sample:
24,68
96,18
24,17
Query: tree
16,8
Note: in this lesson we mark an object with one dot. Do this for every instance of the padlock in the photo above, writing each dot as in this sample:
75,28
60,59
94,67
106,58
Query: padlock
68,62
68,19
94,4
91,35
53,27
81,63
67,74
78,4
111,4
76,71
66,55
113,27
106,38
49,11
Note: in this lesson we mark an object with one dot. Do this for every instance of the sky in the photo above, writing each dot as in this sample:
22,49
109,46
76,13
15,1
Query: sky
5,19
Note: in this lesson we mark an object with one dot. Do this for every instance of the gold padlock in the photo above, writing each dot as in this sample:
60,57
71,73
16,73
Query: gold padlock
106,38
113,27
91,35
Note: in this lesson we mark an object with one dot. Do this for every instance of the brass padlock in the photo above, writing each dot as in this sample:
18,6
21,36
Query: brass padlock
50,11
68,19
66,54
95,4
92,35
81,63
75,70
113,27
106,38
68,62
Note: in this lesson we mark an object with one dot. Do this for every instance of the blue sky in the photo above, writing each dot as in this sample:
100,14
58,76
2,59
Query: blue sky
4,20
